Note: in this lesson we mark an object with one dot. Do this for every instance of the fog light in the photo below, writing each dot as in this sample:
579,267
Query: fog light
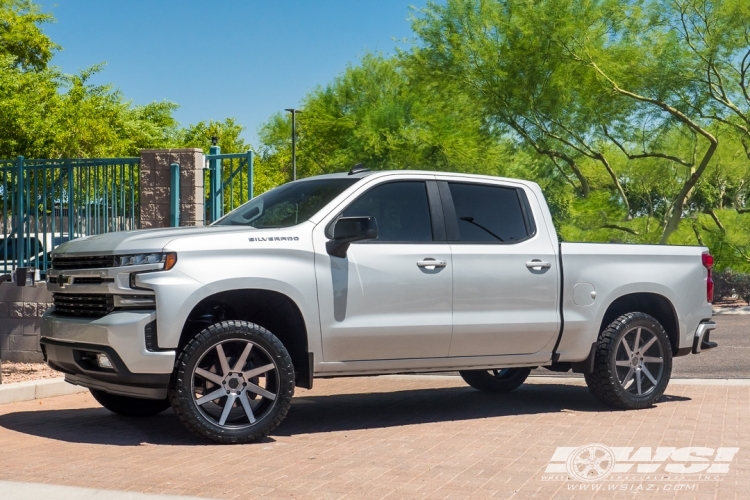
103,361
136,300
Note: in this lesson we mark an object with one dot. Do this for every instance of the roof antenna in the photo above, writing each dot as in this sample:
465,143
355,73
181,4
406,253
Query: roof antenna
358,168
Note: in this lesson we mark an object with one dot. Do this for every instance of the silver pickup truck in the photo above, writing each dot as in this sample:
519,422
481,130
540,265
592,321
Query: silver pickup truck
366,273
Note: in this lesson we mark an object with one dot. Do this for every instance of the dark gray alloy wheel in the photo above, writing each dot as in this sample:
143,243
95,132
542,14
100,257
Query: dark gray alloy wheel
499,380
233,383
130,407
632,364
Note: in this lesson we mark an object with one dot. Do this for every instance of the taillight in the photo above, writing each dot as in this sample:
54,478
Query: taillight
708,263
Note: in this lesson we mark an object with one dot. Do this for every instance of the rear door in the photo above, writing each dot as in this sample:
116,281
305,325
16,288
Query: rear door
386,300
503,302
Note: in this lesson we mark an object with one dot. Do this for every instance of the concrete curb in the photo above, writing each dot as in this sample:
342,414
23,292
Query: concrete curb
34,491
541,379
731,310
37,389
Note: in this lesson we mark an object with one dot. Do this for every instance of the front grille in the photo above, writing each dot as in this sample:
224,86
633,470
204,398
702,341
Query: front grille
93,280
83,280
94,262
88,305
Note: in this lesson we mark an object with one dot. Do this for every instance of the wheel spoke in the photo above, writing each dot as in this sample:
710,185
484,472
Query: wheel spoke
216,379
260,391
628,377
648,374
648,344
637,339
622,363
243,357
222,360
638,382
246,405
227,408
257,371
211,396
652,359
627,347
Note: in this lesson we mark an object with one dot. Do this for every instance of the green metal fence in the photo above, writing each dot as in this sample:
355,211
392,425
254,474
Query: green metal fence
47,202
236,186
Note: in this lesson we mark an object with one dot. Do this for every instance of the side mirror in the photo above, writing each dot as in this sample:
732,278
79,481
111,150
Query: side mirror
348,230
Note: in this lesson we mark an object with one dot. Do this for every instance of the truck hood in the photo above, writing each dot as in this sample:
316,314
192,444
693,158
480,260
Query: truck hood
142,241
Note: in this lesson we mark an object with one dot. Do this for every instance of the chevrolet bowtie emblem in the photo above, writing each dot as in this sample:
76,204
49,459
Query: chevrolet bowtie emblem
63,280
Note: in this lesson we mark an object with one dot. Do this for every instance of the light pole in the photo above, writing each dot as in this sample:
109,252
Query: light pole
294,141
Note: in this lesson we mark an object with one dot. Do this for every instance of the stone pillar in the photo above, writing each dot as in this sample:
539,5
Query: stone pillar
155,191
21,309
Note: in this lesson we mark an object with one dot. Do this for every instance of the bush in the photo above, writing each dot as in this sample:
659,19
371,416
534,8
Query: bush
730,285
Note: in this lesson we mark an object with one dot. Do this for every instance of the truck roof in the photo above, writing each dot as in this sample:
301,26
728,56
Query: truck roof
367,173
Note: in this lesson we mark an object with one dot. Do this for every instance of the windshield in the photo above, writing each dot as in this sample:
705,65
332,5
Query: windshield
287,205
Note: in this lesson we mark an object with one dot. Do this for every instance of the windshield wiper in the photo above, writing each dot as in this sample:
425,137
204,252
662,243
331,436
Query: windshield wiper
470,220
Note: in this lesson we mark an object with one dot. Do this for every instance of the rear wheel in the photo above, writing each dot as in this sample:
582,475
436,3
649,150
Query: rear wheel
632,364
500,380
130,407
233,383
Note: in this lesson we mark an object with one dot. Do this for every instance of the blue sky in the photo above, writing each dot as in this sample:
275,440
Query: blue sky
245,59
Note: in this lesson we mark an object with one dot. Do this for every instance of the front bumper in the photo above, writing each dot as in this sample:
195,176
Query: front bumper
74,360
69,343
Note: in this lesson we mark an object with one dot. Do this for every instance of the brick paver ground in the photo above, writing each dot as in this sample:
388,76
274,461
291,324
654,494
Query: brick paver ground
379,437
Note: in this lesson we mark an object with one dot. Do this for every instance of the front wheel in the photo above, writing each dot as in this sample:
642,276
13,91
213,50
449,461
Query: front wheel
233,383
501,380
130,407
632,363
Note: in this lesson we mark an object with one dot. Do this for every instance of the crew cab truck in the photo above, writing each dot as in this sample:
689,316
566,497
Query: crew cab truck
366,273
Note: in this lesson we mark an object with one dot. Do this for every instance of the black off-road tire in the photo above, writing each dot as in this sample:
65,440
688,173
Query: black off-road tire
504,380
182,393
604,383
130,407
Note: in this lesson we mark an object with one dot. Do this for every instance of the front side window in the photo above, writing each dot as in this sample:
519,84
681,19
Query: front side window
400,209
287,205
488,214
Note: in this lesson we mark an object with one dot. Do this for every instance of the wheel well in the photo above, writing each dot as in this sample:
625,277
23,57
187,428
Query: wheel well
273,311
652,304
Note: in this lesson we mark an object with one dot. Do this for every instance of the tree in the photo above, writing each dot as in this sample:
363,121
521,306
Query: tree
21,37
585,83
377,114
227,132
45,113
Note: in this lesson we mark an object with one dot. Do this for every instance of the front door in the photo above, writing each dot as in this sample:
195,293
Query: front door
502,302
389,298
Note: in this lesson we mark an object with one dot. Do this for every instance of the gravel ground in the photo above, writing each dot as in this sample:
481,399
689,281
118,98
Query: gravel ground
21,372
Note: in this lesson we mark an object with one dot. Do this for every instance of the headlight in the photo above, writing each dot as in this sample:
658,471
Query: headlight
140,258
168,259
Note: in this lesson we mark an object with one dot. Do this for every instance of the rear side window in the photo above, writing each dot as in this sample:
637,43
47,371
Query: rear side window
400,209
489,214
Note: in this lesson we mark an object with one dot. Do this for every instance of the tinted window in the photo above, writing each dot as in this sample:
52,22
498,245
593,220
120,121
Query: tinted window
400,209
287,205
488,214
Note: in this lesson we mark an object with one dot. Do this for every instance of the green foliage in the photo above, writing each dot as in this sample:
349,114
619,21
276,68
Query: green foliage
634,117
47,114
21,37
375,113
228,133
